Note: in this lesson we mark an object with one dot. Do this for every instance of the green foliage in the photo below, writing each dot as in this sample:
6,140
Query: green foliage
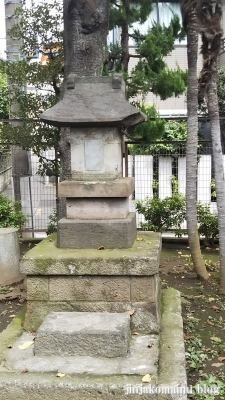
163,131
207,224
215,385
162,215
53,221
10,214
4,101
40,30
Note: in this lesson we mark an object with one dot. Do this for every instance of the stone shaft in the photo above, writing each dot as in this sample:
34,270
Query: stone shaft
84,334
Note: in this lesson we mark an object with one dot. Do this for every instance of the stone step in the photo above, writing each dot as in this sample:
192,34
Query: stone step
84,334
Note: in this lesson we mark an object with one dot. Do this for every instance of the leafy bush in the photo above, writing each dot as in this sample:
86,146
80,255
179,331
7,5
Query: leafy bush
207,224
53,220
163,215
170,213
10,213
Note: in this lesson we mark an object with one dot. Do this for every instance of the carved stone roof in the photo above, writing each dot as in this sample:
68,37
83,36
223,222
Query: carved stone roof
93,101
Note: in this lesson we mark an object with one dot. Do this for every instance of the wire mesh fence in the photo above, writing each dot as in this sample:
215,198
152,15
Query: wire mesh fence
155,167
160,168
36,194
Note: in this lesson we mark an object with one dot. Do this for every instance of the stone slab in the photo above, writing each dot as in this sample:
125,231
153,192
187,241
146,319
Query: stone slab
123,187
92,208
32,385
145,318
81,234
141,359
141,259
83,334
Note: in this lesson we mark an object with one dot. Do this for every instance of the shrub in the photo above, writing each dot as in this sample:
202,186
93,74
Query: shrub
10,213
163,215
52,225
207,224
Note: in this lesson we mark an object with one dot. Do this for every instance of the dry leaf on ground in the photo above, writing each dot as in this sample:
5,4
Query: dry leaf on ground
130,312
59,375
26,345
147,378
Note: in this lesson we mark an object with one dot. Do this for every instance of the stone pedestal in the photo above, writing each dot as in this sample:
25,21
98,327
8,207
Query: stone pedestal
91,280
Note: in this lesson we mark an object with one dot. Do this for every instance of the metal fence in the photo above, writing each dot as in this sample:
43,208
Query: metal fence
36,193
151,165
158,167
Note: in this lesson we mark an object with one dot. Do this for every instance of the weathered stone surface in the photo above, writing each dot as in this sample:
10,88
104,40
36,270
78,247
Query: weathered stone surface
83,334
142,259
37,288
172,370
9,256
145,319
123,187
96,154
80,234
95,288
143,288
93,208
140,360
93,101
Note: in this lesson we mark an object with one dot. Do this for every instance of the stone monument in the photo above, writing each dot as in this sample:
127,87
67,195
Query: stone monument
95,109
95,313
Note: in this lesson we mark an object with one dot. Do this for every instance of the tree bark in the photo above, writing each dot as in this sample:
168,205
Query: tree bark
125,38
192,142
213,110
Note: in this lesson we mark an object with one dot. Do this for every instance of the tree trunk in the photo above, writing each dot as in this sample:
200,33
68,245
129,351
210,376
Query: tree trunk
192,144
213,109
125,38
210,16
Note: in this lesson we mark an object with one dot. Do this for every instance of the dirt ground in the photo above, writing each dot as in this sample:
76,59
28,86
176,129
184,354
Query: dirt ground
203,310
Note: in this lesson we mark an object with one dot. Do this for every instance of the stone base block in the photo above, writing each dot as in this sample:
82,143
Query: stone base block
92,208
122,187
83,334
75,234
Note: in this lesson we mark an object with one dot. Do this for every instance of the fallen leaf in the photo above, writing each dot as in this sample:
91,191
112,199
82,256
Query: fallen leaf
210,323
147,378
208,349
26,345
221,358
123,256
59,375
101,248
22,323
217,309
12,316
216,339
150,345
135,333
211,299
9,346
139,239
25,370
130,312
217,365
